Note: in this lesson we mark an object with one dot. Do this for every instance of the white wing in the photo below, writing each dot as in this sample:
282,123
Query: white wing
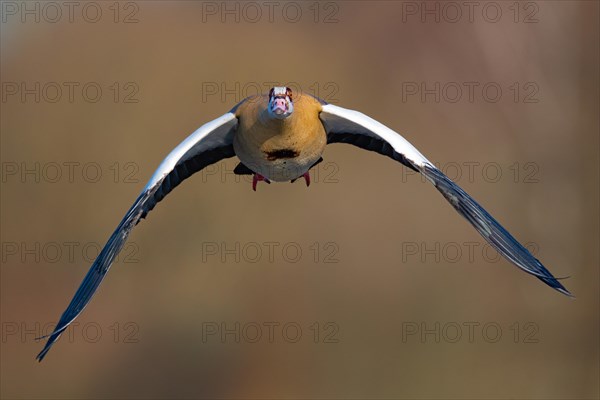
210,143
352,127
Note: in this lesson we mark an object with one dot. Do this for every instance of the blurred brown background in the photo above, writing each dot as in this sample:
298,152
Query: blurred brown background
404,310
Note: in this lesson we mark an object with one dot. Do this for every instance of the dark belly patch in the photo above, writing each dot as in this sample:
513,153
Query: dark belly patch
282,153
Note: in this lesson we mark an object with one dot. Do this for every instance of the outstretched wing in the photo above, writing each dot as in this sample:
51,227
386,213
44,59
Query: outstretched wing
352,127
212,142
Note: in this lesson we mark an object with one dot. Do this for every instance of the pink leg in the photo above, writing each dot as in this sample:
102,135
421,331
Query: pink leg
307,178
257,178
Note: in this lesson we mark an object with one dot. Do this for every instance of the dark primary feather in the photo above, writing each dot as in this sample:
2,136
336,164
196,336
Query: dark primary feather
98,270
490,229
184,170
370,143
340,130
189,164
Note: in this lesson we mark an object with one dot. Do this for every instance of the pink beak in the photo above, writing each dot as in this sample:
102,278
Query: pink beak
279,106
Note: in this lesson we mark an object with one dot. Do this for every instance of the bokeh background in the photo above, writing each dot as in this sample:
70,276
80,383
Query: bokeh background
385,275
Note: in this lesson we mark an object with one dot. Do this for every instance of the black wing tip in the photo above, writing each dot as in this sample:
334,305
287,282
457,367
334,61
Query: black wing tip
491,230
567,293
44,351
564,291
556,285
97,271
52,338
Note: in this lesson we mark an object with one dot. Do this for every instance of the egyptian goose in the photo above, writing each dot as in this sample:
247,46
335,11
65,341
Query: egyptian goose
279,138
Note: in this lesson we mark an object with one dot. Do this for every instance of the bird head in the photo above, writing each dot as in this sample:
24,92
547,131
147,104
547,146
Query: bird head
280,102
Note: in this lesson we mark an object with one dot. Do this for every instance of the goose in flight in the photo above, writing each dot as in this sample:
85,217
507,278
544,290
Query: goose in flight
279,138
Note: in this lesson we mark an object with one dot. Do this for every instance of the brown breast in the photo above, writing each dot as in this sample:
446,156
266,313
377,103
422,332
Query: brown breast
293,142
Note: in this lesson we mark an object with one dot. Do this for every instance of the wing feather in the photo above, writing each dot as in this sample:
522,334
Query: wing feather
210,143
349,126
